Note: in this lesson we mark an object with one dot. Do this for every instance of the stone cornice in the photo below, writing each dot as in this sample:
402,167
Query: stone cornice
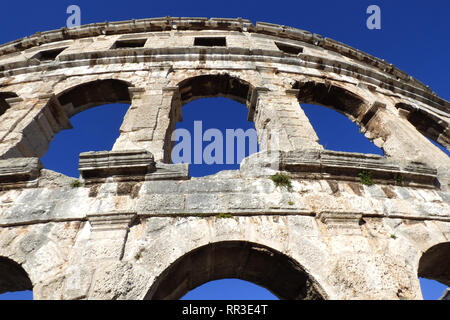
155,56
199,24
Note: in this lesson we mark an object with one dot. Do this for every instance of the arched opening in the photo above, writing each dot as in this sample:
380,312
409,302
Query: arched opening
338,116
337,132
429,125
214,134
252,262
222,85
14,281
3,103
434,270
95,129
94,93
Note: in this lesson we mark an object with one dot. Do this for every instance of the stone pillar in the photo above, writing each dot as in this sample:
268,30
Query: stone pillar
88,275
280,122
150,121
399,139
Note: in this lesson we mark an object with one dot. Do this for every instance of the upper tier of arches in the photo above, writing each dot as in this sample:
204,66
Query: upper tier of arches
286,45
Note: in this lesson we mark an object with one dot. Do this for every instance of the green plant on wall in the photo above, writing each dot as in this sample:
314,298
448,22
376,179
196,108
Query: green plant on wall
282,180
224,216
399,178
365,178
76,184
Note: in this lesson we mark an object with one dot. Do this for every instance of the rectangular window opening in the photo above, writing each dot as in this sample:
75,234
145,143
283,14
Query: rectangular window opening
289,49
48,55
210,42
126,44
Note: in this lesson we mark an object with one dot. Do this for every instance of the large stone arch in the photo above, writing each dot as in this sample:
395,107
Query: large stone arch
350,103
51,113
215,85
204,85
327,217
13,276
333,96
94,93
435,263
279,124
249,261
377,117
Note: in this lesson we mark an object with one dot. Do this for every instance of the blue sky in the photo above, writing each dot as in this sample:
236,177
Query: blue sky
414,37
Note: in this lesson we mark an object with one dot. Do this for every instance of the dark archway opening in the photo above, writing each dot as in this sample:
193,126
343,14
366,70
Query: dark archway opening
94,93
434,270
14,281
3,104
222,85
330,96
252,262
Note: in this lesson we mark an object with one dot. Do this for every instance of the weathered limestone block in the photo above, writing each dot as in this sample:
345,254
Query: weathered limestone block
18,170
115,163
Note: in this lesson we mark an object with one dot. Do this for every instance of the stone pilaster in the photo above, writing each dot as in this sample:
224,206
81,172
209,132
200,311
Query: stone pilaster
281,123
400,139
149,122
103,247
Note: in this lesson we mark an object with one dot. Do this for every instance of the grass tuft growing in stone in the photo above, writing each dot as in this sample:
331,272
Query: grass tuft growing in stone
224,216
76,184
365,178
399,178
282,180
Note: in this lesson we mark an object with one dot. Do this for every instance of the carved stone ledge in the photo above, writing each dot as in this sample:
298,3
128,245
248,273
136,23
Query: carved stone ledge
338,223
326,164
165,171
14,100
108,234
132,165
111,221
19,172
105,164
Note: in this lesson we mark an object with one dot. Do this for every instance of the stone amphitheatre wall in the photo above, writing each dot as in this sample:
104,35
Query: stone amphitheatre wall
137,226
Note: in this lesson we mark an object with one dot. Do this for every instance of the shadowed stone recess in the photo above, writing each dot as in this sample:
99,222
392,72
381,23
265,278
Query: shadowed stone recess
13,277
243,260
